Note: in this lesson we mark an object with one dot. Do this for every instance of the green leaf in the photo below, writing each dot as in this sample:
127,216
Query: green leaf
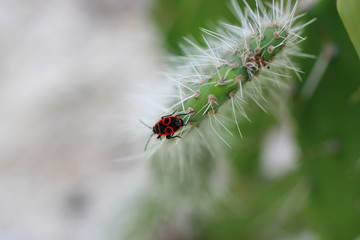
349,13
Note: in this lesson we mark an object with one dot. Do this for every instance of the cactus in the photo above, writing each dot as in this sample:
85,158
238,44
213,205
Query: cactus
238,63
235,69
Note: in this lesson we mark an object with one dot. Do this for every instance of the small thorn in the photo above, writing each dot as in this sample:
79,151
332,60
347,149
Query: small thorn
232,94
221,81
211,112
235,65
212,99
270,49
276,35
260,37
238,79
211,76
197,93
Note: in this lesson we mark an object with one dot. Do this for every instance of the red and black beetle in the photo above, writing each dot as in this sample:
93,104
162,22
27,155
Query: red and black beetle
167,126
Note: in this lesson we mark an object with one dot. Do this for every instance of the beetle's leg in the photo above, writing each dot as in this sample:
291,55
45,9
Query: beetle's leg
159,137
169,115
182,114
172,136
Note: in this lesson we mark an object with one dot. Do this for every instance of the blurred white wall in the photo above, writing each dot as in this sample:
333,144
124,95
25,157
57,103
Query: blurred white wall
65,68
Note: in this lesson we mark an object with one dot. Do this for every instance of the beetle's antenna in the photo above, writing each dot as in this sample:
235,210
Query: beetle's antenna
147,143
145,124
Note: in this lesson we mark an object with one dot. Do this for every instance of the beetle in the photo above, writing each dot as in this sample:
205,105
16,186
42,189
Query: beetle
167,126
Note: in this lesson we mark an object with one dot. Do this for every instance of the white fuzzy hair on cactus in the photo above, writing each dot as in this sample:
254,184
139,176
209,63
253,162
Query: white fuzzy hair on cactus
237,65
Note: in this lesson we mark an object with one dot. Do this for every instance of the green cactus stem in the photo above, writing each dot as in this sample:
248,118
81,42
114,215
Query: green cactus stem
241,66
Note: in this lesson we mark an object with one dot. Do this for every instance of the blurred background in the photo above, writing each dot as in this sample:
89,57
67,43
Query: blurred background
66,69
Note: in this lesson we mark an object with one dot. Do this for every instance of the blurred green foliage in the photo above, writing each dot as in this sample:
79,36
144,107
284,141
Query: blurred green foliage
349,12
320,199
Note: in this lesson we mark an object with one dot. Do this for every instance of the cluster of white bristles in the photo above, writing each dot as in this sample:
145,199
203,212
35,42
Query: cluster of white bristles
208,136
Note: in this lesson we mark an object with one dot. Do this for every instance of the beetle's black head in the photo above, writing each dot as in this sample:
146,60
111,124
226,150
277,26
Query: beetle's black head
156,129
